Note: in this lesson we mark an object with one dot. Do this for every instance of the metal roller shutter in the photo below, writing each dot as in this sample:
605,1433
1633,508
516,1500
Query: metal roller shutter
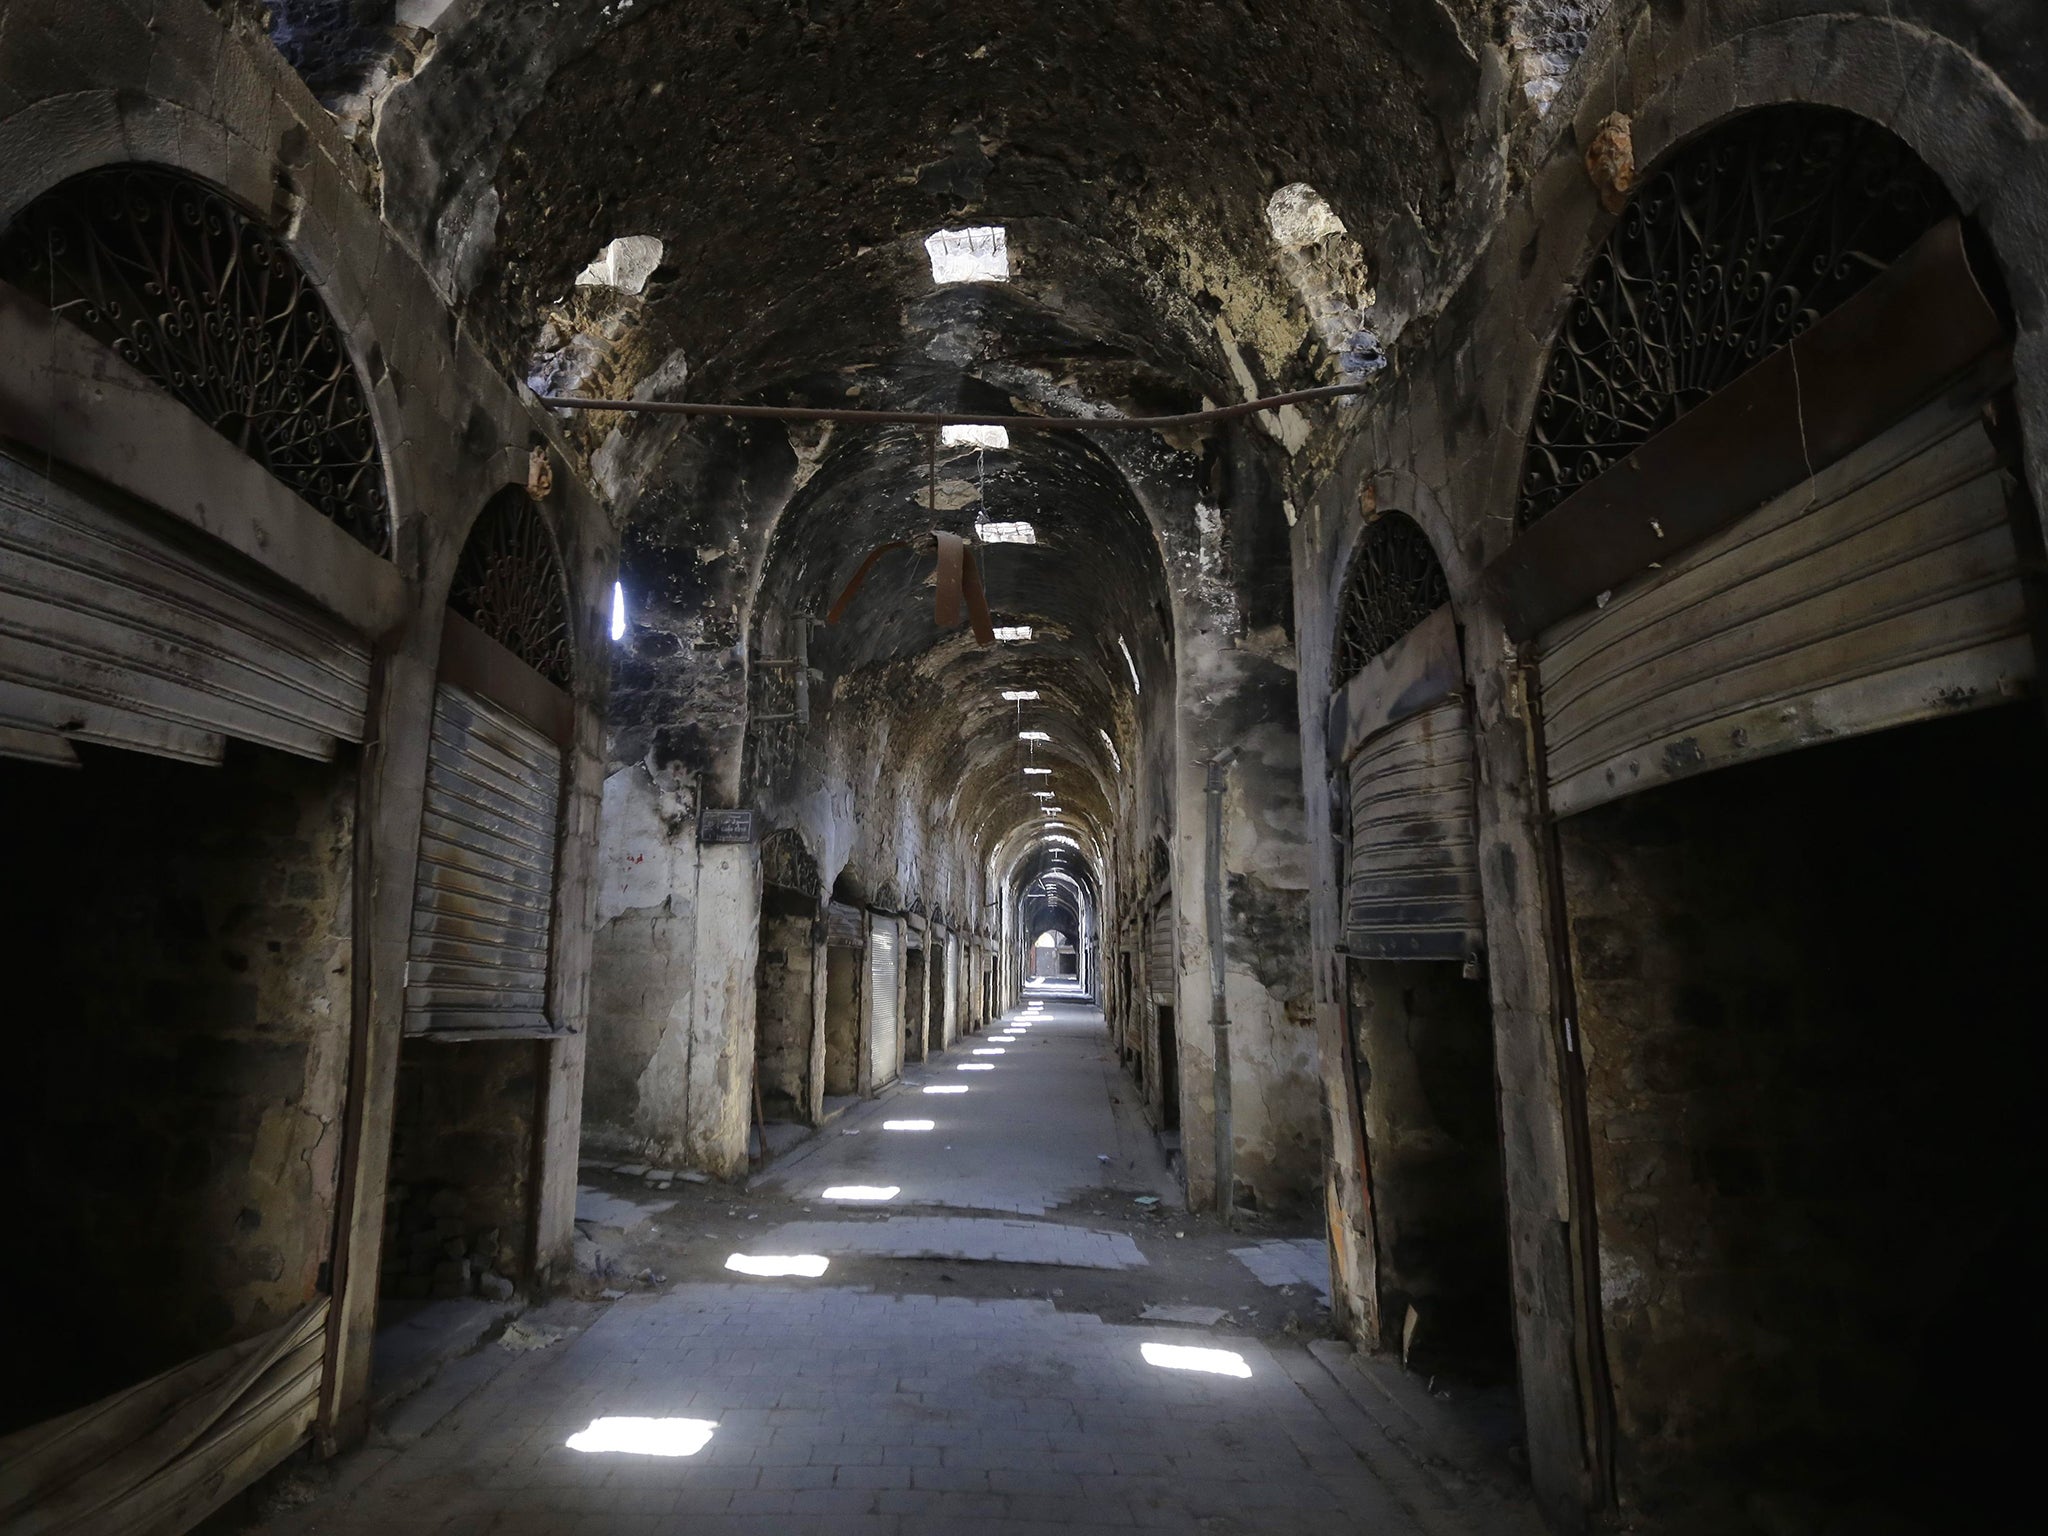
162,1455
1159,958
1412,889
885,1040
483,906
1884,591
120,626
949,1021
844,925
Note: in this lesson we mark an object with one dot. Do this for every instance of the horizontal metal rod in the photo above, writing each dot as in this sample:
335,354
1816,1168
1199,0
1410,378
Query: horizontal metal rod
945,419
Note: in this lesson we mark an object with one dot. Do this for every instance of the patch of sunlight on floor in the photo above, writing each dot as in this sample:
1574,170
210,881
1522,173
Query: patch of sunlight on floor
644,1437
909,1125
975,1066
863,1192
1190,1357
960,1089
988,1050
774,1266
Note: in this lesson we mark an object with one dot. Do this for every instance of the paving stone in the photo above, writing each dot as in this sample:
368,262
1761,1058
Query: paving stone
1204,1317
965,1238
840,1412
1289,1261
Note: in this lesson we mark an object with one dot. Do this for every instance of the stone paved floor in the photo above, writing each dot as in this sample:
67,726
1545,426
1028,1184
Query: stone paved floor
804,1406
1297,1260
1024,1131
973,1238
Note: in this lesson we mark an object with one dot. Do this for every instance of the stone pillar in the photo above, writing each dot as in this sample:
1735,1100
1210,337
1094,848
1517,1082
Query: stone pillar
669,1061
1241,933
719,1075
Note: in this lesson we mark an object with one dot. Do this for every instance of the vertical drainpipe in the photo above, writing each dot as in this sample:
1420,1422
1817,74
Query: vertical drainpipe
1219,1022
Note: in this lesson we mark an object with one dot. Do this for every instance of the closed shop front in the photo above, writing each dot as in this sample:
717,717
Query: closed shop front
1785,688
885,999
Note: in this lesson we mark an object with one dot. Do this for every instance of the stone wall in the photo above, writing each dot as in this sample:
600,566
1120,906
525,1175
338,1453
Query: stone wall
1424,1041
1276,1093
1809,1002
459,1215
916,997
783,1020
178,940
844,969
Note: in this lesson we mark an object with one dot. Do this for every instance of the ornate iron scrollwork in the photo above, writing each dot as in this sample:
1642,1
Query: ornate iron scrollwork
509,584
1723,256
206,302
1394,583
787,863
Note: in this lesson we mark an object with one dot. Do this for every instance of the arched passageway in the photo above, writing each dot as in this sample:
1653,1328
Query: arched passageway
967,775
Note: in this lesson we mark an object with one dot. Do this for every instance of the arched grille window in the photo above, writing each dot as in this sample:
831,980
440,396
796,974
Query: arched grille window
787,863
200,298
1394,583
509,584
1727,253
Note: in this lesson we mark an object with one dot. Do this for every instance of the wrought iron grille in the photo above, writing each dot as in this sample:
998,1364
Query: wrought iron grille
1394,584
509,584
198,297
1726,254
787,863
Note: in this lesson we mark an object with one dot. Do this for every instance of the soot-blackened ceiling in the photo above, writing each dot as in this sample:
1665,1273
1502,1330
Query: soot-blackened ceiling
1092,578
790,153
792,156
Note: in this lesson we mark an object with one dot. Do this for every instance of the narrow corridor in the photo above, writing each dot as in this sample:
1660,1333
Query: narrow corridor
932,1317
1257,767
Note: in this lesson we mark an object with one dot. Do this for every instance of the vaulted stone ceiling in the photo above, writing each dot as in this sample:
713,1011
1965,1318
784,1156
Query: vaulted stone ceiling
792,156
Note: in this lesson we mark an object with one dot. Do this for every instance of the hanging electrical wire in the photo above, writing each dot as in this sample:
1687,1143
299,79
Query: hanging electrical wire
858,418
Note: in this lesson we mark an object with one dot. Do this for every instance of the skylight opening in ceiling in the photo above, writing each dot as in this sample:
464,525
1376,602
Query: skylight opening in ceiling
977,255
1038,770
1007,533
1034,736
1020,695
974,437
625,264
1013,631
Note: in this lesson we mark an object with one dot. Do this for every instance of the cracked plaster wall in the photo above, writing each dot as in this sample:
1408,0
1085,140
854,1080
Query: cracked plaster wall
673,980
